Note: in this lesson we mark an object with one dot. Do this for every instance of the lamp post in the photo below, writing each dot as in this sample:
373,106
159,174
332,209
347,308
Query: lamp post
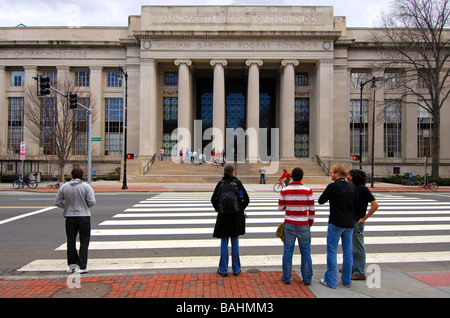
120,74
373,80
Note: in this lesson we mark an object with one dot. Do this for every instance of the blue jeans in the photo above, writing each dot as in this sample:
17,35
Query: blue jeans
235,260
303,234
335,233
359,250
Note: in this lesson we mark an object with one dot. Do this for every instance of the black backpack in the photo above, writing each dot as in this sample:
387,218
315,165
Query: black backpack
229,198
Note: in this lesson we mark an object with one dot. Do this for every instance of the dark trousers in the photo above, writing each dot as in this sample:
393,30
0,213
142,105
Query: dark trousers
75,225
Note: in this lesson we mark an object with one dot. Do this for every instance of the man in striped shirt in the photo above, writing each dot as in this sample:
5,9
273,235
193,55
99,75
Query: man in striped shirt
298,202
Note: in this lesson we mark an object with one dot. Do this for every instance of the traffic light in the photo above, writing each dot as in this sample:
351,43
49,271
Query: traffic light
130,155
44,85
73,100
356,157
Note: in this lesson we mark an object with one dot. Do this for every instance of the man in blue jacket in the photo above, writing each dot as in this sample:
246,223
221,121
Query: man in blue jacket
76,197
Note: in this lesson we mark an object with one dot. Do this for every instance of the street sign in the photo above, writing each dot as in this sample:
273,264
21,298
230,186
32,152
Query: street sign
96,139
22,151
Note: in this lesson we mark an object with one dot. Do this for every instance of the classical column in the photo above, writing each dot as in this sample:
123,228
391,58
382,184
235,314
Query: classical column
252,143
96,100
185,109
149,136
324,140
219,103
287,109
3,110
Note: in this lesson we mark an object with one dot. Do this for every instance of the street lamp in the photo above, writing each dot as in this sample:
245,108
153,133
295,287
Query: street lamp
120,74
373,80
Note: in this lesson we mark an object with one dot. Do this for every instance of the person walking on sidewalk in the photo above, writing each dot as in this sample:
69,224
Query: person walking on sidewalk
358,178
342,197
76,197
230,200
298,203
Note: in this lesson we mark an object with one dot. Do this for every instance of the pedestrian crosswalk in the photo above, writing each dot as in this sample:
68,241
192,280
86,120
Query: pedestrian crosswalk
173,231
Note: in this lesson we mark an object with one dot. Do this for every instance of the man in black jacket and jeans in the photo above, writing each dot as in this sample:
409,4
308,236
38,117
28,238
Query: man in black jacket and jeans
229,224
342,196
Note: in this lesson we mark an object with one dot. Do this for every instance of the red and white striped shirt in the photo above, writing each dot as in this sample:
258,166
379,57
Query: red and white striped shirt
298,202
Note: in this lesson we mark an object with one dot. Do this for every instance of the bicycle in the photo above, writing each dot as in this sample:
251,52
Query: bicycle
277,187
31,183
428,186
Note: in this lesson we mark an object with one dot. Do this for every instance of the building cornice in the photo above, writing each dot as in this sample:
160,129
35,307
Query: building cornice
260,35
61,44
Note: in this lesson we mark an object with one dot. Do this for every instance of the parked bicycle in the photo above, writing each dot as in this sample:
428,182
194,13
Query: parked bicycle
29,181
428,186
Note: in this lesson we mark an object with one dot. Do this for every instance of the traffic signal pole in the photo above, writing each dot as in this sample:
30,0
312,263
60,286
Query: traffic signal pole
68,96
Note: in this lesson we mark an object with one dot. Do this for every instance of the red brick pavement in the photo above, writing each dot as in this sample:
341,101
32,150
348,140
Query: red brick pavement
182,285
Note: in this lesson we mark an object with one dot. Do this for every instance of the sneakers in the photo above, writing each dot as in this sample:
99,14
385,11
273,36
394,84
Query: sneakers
324,283
83,271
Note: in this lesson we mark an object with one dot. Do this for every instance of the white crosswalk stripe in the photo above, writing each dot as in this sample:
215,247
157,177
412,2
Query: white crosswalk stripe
174,231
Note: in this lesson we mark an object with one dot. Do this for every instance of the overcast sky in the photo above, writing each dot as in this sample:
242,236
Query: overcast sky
361,13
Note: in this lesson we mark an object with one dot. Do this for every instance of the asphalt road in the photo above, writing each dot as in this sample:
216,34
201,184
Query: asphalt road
35,236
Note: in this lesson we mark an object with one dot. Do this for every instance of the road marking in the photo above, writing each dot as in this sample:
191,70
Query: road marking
271,229
141,263
261,221
257,242
27,214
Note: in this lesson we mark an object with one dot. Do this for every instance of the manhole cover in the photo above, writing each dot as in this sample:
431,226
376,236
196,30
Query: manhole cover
86,290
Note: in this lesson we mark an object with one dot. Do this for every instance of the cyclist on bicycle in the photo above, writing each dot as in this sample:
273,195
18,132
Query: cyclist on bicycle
286,175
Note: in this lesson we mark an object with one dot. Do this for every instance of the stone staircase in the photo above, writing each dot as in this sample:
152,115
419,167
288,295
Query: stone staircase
168,171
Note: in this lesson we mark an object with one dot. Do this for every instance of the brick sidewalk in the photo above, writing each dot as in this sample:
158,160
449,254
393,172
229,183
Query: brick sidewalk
191,285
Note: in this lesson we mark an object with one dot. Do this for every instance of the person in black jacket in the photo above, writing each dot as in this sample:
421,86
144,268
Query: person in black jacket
342,196
229,224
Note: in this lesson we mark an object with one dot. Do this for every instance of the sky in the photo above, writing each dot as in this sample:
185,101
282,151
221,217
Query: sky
361,13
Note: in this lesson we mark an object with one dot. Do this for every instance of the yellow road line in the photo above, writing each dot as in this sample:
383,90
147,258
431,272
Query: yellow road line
24,207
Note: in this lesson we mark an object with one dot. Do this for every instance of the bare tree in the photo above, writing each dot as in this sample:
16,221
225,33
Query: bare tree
416,33
53,125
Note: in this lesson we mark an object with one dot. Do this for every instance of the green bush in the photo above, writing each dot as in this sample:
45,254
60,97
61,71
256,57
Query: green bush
399,179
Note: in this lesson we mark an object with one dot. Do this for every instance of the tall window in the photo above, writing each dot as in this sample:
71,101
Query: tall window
82,79
358,79
113,80
424,132
17,78
358,127
80,128
301,79
170,122
15,123
48,129
52,75
301,146
171,78
391,80
113,126
392,128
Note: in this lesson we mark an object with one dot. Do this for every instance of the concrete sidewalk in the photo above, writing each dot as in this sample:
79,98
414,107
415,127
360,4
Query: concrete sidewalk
108,186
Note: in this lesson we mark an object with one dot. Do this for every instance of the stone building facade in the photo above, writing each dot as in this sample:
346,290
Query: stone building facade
288,76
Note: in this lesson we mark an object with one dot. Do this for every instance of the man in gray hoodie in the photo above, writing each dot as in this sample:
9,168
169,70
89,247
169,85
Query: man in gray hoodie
76,197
